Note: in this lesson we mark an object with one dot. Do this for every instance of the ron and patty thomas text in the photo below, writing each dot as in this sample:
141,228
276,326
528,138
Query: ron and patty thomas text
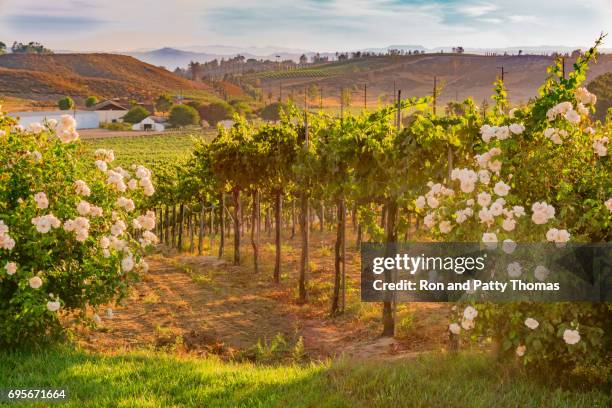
458,265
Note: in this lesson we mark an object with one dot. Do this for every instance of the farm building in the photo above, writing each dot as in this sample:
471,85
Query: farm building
109,111
150,123
84,119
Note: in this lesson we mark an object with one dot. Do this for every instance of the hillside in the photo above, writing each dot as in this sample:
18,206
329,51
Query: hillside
48,77
602,87
460,75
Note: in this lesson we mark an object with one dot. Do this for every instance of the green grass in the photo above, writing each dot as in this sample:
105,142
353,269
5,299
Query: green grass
146,379
148,150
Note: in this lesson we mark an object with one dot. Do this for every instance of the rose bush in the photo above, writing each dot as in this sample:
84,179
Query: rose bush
71,235
541,174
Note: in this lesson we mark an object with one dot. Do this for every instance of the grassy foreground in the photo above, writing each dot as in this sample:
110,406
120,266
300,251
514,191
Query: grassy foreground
146,379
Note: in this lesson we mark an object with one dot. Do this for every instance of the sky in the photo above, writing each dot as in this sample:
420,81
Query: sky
316,25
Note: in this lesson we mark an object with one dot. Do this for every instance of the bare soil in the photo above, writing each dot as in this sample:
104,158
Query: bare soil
202,304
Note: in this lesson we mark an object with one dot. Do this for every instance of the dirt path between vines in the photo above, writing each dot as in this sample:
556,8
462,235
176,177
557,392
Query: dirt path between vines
205,305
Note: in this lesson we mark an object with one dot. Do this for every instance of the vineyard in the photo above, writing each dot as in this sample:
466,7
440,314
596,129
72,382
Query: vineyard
282,209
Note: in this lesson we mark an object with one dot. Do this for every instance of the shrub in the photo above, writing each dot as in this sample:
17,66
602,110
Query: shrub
194,104
551,159
216,112
116,126
70,234
241,107
91,101
273,111
65,103
136,114
163,103
183,115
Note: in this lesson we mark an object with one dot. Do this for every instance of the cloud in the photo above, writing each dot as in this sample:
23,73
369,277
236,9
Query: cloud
518,18
477,10
323,25
51,23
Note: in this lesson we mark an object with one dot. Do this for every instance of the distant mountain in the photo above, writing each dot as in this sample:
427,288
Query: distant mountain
170,58
264,51
396,47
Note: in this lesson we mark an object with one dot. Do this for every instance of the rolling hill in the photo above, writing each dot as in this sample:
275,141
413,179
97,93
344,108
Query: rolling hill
460,75
49,77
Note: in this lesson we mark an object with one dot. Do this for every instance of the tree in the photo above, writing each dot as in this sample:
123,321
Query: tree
216,112
65,103
29,48
2,48
272,111
303,59
241,107
91,101
136,114
163,103
194,104
183,115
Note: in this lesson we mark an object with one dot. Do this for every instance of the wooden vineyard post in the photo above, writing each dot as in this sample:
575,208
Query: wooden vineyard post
222,224
191,230
322,218
201,230
343,215
167,225
160,231
292,218
173,225
255,230
237,228
304,229
180,227
278,198
212,226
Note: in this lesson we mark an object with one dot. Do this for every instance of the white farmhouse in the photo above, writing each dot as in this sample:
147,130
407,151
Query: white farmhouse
109,111
150,123
84,119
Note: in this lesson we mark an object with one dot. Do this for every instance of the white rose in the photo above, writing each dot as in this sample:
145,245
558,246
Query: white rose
11,268
508,246
445,227
35,282
467,324
572,116
454,328
532,323
41,200
127,264
514,270
509,224
53,306
490,240
501,189
541,273
517,128
484,199
571,336
470,313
